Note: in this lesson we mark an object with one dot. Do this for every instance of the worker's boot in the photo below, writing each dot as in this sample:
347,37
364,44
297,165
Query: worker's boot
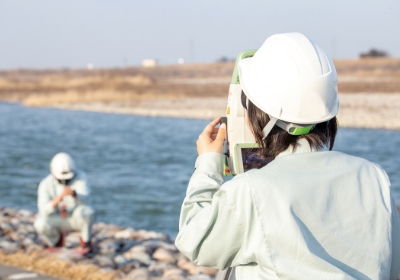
60,242
85,244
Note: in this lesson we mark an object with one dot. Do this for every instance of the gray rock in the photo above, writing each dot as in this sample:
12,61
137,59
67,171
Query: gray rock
28,241
130,265
6,227
124,234
154,244
104,262
72,240
164,255
185,264
97,227
120,261
4,219
102,231
15,222
137,249
127,244
13,236
108,246
140,273
25,213
30,228
141,257
9,212
200,277
40,240
143,235
158,268
174,274
22,231
8,247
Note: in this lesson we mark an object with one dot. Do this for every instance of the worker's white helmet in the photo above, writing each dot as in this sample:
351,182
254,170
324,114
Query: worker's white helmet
62,166
292,80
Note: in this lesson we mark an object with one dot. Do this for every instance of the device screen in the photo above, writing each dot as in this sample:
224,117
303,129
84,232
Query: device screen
251,159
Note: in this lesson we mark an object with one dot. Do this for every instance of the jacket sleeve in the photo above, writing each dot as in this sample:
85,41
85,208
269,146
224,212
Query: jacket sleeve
217,226
44,199
82,188
395,267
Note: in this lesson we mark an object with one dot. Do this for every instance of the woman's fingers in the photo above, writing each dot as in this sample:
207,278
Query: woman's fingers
221,133
209,128
212,138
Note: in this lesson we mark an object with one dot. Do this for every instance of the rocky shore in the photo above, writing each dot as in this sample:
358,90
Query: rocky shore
119,253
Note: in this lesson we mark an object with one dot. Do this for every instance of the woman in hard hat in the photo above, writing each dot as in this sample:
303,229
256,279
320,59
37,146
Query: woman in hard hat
63,198
311,213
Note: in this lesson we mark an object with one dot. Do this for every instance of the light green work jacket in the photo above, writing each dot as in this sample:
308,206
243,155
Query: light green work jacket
306,215
49,188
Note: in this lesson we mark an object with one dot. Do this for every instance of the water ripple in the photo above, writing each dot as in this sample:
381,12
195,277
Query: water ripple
138,167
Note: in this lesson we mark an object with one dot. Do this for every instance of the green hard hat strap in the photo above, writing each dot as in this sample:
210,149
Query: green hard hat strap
295,129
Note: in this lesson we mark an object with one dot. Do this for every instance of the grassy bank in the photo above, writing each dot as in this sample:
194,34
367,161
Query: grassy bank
370,90
49,87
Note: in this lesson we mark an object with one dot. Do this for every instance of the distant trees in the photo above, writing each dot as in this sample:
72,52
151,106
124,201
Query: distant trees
374,53
225,59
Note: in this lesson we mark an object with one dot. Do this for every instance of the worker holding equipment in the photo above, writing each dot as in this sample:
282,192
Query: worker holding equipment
309,212
63,198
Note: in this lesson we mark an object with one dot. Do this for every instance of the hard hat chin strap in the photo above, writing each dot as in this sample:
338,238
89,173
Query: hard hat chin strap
291,128
295,129
267,129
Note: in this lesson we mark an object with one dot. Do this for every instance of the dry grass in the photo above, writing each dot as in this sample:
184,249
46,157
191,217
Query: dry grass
378,75
51,266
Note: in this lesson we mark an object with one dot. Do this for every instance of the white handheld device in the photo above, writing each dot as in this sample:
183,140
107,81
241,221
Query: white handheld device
241,147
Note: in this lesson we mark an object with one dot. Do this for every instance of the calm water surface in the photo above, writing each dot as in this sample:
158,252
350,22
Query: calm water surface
138,167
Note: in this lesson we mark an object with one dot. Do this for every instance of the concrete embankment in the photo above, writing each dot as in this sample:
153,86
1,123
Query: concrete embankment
119,253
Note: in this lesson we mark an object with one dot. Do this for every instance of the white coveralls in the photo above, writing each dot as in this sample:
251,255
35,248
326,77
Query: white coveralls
306,215
49,223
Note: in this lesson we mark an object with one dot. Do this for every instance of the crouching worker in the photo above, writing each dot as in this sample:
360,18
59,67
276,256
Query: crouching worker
62,203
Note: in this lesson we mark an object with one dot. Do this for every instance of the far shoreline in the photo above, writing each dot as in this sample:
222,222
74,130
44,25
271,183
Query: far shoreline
358,110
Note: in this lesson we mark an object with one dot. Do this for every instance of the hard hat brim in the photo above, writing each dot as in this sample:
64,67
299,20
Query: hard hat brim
65,176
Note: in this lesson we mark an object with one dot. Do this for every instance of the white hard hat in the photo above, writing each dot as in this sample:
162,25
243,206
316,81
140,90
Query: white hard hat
62,166
292,80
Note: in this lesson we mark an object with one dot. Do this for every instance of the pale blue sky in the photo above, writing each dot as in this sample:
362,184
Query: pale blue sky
114,33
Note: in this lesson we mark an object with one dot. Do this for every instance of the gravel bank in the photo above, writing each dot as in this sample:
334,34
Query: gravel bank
119,253
372,110
358,110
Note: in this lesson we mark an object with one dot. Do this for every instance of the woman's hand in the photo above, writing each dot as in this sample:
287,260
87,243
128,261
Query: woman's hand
212,138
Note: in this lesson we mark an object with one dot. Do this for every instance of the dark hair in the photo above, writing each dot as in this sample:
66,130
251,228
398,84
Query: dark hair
278,140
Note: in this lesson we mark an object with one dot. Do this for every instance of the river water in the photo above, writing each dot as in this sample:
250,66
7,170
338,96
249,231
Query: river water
138,167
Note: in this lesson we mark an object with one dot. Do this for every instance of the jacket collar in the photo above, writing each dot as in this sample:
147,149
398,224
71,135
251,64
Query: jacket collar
302,147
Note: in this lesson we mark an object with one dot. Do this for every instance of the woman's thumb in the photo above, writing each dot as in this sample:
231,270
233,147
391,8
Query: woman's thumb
221,132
